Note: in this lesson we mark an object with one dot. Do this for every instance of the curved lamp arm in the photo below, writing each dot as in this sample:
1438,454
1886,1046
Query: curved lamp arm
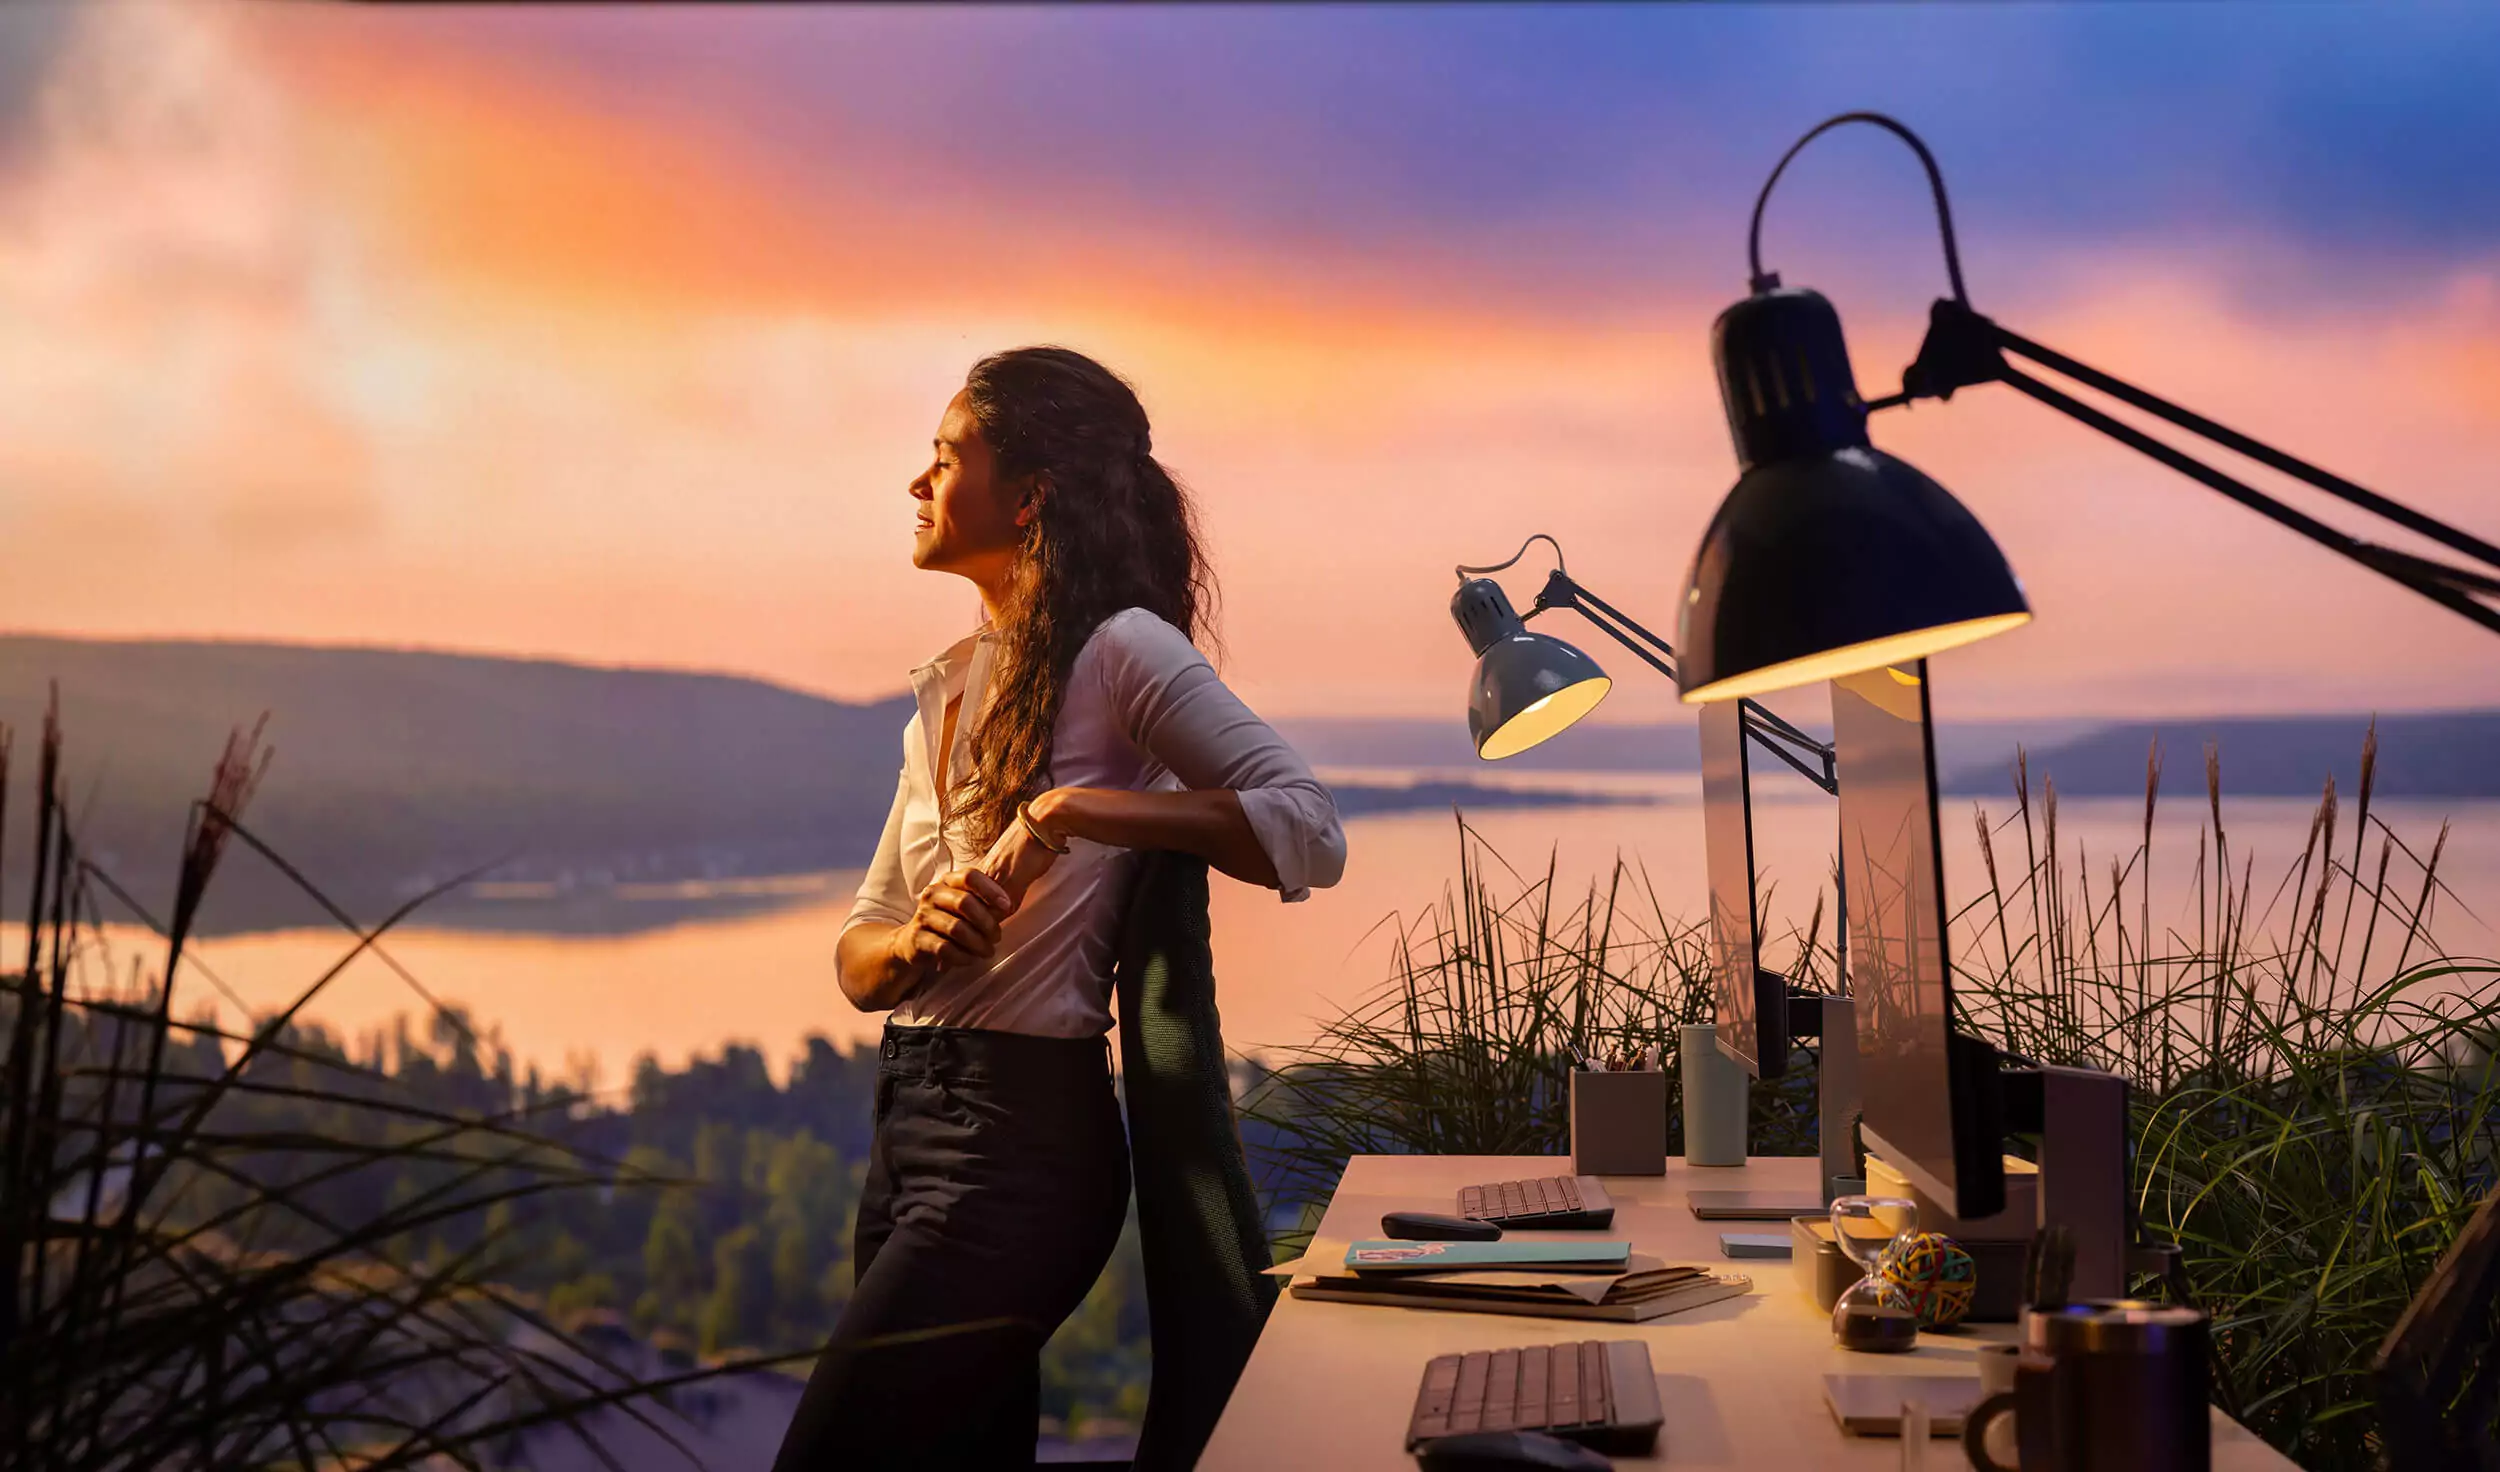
1764,280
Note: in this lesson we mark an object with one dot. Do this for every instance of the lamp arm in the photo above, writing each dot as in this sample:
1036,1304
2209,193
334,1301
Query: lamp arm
1777,737
2264,454
1775,734
1560,591
1964,349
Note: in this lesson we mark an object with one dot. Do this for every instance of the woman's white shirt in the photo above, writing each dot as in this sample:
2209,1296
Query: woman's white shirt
1144,711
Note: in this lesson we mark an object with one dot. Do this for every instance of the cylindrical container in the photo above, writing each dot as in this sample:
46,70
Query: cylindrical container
1714,1100
2127,1393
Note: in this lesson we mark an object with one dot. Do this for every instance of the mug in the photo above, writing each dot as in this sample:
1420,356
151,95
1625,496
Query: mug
1996,1367
2107,1385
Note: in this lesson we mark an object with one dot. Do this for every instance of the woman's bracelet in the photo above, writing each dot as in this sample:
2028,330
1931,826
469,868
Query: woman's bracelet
1024,815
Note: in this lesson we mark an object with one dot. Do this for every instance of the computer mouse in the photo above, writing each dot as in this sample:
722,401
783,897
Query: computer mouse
1433,1226
1503,1451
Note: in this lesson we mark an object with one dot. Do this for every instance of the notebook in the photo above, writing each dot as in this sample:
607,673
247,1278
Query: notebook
1392,1256
1644,1289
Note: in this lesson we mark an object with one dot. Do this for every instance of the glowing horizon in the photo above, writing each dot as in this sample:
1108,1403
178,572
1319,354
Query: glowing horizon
612,337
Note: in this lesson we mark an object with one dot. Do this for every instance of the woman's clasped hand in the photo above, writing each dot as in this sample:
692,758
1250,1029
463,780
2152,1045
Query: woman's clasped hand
955,923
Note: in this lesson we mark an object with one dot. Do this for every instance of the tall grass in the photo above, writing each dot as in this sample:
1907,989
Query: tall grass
2316,1102
2316,1106
176,1288
1493,997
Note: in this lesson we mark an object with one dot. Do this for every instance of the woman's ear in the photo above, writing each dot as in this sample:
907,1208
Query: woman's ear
1029,505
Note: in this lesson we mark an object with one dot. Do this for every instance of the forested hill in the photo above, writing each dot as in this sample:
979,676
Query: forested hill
393,765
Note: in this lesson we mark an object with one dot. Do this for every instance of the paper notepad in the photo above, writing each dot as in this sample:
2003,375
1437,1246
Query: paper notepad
1643,1288
1439,1257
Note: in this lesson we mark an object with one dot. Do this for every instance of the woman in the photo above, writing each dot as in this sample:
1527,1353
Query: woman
1076,725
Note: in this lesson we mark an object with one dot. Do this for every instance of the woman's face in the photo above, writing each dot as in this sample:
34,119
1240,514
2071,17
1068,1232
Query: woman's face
971,521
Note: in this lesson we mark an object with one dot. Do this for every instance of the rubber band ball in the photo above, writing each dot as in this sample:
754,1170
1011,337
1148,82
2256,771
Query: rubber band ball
1927,1274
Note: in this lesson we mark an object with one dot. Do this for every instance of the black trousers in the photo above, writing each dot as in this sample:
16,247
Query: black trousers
997,1182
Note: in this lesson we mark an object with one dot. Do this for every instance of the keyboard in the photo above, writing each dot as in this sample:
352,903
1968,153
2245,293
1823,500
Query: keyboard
1596,1392
1543,1202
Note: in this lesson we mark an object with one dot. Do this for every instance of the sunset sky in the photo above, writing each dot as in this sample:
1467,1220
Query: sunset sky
615,335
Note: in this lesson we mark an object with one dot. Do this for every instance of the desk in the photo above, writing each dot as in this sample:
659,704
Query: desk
1331,1384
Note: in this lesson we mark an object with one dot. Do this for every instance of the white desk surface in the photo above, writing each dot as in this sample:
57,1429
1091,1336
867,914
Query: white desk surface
1331,1384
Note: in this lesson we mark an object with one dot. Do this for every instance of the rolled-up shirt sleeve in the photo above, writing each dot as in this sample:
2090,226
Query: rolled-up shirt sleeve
883,896
1170,702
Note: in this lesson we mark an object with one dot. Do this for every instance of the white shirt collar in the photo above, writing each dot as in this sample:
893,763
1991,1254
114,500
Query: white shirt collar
948,660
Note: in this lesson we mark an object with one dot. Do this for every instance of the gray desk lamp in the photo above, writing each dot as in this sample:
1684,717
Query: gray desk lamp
1529,687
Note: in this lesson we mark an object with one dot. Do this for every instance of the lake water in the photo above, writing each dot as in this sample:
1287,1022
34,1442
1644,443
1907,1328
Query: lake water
684,987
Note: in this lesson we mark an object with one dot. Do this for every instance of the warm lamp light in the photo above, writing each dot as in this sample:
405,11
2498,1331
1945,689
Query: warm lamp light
1850,659
1527,686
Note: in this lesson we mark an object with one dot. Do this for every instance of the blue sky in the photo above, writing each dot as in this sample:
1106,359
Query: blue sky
1628,140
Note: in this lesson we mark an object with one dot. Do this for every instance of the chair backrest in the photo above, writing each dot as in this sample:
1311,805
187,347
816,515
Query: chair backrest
1207,1293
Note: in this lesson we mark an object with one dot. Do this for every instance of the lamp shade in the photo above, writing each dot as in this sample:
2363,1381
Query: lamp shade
1527,686
1829,557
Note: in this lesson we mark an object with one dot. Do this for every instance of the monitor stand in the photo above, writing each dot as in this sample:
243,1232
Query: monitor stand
1836,1110
2079,1116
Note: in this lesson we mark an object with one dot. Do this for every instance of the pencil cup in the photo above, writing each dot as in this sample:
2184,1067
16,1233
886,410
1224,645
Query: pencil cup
1714,1100
1619,1123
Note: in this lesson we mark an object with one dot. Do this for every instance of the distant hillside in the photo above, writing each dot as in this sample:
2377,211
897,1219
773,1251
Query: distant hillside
393,770
2451,754
1405,742
1668,746
2435,754
390,767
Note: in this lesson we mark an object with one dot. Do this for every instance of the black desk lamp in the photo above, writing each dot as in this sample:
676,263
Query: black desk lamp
1830,556
1529,687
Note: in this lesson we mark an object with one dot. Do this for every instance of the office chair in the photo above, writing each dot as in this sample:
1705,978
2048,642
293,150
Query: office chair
1207,1293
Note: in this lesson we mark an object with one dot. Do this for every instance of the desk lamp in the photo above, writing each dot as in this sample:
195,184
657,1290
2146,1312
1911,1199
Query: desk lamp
1530,687
1831,557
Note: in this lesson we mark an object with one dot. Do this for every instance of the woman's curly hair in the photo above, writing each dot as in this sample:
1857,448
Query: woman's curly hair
1113,531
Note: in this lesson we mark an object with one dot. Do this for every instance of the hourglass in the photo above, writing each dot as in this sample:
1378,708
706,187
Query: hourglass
1861,1319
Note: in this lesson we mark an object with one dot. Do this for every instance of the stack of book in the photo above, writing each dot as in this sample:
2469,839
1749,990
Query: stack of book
1555,1280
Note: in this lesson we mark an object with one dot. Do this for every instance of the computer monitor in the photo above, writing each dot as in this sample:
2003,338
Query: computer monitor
1752,1003
1929,1094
